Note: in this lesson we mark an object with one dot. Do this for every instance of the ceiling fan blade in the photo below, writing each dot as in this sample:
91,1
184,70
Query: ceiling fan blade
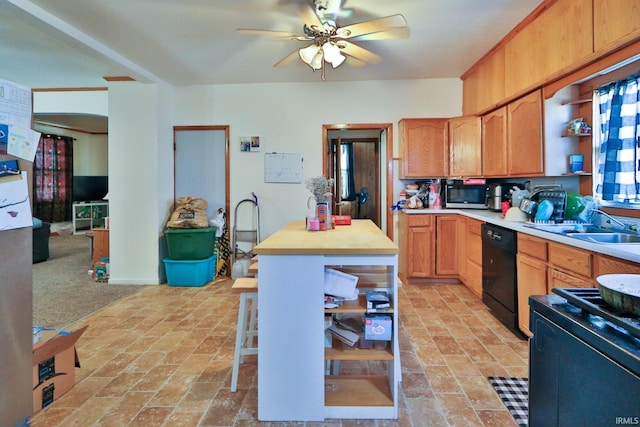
287,60
390,34
308,16
283,35
374,26
355,63
359,53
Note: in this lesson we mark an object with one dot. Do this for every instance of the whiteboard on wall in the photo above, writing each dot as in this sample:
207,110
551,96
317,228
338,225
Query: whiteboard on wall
283,167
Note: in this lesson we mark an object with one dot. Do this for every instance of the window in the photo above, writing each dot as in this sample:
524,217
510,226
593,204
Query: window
347,179
616,139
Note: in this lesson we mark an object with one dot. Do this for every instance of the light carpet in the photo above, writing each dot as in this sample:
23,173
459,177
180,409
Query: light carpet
63,291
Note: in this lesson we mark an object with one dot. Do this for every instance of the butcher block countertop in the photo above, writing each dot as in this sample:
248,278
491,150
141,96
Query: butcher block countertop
362,237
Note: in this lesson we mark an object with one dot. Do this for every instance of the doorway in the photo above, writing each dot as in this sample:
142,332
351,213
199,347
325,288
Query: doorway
201,167
359,159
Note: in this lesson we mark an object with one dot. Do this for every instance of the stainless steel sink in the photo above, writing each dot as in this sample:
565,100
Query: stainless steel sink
570,229
606,237
590,233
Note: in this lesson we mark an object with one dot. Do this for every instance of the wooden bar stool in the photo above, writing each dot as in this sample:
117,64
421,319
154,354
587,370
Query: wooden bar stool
253,268
246,334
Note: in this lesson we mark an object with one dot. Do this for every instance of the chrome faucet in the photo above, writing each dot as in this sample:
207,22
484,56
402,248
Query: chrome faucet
610,218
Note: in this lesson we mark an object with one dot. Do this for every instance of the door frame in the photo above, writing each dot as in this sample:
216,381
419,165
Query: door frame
224,128
388,158
337,142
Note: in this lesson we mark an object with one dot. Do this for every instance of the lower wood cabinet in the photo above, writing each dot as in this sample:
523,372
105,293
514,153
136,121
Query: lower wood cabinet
543,265
531,264
462,248
609,265
532,280
448,246
100,244
416,244
428,246
571,260
446,254
473,252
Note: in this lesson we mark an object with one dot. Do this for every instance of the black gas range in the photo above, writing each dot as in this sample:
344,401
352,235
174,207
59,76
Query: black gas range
584,361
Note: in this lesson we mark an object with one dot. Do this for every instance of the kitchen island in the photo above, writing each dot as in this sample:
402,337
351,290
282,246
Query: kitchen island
293,380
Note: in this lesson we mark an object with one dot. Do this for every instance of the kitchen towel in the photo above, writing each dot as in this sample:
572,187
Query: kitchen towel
514,393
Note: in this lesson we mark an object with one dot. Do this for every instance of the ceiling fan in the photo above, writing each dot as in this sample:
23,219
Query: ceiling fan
328,42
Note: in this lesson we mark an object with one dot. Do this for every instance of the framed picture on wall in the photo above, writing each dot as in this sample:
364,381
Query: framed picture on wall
250,143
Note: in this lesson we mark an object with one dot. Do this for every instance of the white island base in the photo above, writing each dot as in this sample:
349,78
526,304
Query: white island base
293,382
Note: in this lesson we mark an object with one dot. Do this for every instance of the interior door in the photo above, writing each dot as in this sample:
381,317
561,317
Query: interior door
376,172
336,165
201,165
357,179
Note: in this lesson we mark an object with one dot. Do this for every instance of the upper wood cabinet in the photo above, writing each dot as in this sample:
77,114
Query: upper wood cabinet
614,23
424,148
565,36
525,144
494,143
483,88
465,146
560,37
512,143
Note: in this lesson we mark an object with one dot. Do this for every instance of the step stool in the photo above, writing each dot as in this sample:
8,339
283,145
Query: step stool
246,334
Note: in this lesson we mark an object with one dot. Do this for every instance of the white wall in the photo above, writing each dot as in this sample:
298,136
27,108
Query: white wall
140,179
81,102
289,118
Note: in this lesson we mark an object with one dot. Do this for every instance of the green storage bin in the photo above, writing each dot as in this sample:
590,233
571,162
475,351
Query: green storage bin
191,243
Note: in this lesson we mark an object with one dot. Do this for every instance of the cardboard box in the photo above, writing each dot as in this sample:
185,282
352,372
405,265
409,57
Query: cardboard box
342,219
54,363
377,327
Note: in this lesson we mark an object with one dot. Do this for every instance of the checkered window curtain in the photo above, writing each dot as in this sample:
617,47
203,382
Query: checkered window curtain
53,178
619,158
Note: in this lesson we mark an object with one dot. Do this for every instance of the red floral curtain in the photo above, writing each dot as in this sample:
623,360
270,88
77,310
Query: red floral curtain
53,178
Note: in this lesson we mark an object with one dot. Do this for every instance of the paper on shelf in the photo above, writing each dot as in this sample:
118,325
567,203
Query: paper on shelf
15,209
340,284
344,335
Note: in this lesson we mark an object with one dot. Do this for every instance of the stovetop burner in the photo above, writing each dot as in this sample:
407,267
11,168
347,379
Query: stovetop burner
589,299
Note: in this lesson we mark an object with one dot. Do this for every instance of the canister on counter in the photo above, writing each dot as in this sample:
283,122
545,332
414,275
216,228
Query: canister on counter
576,163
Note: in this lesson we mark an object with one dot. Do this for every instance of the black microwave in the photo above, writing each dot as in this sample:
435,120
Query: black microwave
461,194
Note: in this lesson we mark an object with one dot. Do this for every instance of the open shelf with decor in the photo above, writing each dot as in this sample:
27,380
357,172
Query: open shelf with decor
377,388
89,215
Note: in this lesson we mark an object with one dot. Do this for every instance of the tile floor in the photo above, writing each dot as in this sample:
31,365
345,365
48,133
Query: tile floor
162,357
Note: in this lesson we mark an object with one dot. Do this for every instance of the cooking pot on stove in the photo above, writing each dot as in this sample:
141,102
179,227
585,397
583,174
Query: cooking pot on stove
621,291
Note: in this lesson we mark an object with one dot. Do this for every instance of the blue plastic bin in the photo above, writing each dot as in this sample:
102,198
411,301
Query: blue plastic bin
190,272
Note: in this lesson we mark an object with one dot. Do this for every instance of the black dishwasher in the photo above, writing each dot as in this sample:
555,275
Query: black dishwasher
499,280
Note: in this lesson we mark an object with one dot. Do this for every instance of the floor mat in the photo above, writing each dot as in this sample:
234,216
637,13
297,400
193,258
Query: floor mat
514,393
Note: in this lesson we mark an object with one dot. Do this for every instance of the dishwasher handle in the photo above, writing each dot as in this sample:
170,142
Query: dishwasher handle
502,238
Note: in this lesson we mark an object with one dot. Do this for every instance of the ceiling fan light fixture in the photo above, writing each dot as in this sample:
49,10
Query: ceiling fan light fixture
317,63
332,54
328,42
310,54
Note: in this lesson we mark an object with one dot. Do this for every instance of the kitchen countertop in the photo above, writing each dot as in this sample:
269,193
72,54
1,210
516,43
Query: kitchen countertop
362,237
627,251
